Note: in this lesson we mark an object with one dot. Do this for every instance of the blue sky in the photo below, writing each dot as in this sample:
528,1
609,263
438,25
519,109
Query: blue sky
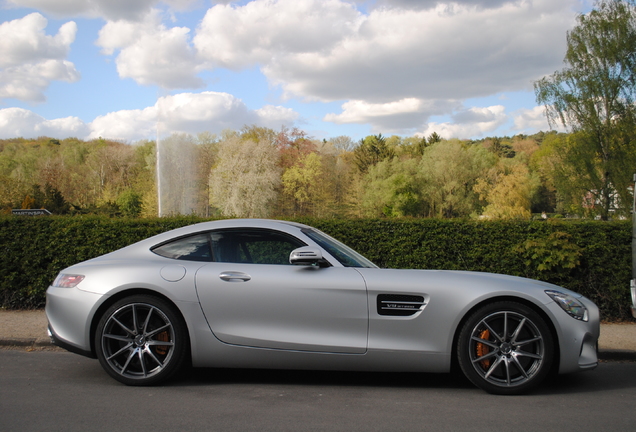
116,69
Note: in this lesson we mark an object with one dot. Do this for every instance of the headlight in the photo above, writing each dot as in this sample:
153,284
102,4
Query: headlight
569,304
67,280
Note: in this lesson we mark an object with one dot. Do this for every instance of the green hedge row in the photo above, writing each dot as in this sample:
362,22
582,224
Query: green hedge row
593,258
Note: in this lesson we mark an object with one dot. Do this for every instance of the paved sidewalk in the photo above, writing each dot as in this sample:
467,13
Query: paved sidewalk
23,328
28,328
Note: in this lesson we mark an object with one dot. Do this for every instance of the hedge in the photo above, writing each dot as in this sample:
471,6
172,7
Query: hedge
590,257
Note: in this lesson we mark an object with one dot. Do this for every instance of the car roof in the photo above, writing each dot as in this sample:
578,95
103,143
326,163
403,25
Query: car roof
135,249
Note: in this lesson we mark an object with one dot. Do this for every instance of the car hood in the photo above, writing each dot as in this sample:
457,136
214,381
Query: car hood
458,280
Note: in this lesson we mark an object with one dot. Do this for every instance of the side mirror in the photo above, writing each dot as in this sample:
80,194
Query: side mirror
306,255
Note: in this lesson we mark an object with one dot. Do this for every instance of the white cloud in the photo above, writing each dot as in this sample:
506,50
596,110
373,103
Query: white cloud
430,54
214,112
428,4
182,113
18,122
151,53
533,120
446,51
31,59
473,122
131,10
390,63
188,113
274,117
391,117
24,41
240,36
125,125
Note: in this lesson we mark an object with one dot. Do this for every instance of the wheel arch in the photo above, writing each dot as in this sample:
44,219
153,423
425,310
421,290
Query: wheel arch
127,293
555,337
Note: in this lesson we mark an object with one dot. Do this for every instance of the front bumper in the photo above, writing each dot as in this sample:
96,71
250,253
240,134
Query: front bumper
578,340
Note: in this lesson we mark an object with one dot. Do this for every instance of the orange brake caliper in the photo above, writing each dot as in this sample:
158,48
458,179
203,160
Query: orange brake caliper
483,349
162,349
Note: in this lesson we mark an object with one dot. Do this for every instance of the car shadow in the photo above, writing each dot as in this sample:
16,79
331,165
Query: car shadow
608,376
212,376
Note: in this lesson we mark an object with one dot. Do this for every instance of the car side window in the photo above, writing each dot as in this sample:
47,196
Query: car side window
192,248
253,246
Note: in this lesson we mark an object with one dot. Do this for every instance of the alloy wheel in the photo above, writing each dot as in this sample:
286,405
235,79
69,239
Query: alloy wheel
137,341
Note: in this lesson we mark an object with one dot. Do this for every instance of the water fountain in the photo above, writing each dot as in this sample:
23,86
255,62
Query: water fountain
176,175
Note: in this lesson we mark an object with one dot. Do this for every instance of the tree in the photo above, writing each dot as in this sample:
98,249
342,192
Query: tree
292,146
245,179
130,203
207,149
449,171
501,149
372,149
303,183
392,188
49,198
594,95
343,143
510,193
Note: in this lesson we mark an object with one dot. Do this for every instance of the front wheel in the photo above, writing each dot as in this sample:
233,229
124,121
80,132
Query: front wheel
505,348
141,340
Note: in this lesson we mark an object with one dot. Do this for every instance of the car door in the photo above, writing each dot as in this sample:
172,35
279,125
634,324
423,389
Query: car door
254,297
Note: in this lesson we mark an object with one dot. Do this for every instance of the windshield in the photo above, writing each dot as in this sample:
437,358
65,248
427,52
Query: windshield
344,254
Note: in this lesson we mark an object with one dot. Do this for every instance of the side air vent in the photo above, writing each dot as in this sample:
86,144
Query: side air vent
399,304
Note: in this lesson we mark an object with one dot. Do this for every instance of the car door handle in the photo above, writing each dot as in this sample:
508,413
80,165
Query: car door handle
232,276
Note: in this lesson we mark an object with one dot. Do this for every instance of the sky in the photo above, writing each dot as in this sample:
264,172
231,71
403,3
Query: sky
132,70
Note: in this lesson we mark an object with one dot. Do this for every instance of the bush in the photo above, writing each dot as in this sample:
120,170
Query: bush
590,257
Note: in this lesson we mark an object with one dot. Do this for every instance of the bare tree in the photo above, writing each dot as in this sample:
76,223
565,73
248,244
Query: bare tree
245,181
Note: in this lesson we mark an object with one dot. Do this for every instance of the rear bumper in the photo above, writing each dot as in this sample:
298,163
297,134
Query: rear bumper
57,341
69,312
633,289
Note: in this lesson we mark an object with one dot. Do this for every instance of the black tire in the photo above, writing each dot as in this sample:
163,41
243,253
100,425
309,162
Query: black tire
141,340
505,348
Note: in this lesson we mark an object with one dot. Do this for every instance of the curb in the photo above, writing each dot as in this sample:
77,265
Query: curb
26,342
617,355
603,354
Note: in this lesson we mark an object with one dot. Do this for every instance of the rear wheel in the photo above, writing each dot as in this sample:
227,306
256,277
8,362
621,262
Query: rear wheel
505,348
141,340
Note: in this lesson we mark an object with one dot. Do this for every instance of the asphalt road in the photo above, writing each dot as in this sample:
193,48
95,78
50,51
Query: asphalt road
60,391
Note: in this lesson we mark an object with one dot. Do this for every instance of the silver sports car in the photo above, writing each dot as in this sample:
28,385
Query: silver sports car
273,294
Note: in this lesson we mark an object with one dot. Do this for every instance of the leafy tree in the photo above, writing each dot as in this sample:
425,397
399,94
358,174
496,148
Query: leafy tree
450,171
303,183
501,149
511,192
392,188
257,134
50,199
434,138
145,182
594,95
130,203
110,169
293,145
424,142
370,151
